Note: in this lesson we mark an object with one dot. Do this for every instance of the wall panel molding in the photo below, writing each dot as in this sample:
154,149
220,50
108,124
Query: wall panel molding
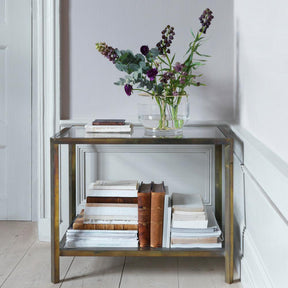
87,154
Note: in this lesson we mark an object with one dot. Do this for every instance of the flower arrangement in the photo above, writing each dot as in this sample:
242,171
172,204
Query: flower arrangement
155,72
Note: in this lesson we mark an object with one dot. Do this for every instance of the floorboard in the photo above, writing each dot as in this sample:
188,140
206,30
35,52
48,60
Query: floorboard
34,269
149,272
15,240
25,263
91,272
203,273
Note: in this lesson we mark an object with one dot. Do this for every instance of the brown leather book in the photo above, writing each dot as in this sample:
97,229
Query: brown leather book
157,211
144,211
78,224
94,199
108,122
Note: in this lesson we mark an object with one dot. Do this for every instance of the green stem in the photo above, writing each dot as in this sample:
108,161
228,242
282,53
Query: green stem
137,89
162,106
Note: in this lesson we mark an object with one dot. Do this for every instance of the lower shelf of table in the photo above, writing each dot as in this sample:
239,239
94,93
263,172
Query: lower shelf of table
145,252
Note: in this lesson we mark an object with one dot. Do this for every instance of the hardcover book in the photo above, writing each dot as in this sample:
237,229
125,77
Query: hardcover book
157,211
90,128
108,122
108,188
144,214
79,224
93,199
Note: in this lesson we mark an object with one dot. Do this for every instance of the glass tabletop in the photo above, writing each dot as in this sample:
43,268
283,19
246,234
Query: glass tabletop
193,134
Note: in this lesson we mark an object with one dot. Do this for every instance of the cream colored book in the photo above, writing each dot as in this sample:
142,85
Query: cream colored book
187,203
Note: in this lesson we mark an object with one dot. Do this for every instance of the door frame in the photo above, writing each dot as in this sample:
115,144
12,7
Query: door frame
45,104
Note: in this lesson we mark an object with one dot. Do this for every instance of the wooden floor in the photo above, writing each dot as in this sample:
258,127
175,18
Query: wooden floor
25,263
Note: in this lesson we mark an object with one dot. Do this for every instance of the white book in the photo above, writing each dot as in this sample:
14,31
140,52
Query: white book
195,235
125,188
212,228
92,243
190,224
112,193
179,217
187,202
165,221
169,224
102,233
199,245
94,219
89,128
115,184
112,221
189,213
113,209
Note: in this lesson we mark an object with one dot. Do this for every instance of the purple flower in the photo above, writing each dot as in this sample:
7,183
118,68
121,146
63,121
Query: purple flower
205,20
128,89
152,73
144,50
178,67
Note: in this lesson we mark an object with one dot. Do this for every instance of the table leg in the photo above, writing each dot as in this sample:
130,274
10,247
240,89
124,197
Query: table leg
55,249
218,184
229,212
72,182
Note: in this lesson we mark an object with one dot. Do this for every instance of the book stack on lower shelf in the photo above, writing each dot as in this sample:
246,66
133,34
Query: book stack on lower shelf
193,224
125,214
110,217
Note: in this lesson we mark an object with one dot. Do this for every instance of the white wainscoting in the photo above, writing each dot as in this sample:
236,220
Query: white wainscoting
260,217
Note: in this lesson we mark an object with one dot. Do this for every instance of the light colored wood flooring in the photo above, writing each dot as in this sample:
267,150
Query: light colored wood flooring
25,263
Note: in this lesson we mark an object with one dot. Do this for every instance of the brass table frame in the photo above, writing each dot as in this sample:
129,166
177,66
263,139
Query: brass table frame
221,144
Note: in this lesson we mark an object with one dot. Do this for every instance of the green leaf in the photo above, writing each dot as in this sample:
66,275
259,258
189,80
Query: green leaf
192,33
154,52
119,66
172,59
140,57
132,67
162,60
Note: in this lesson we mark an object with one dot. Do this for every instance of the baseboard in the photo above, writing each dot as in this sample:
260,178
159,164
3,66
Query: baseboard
44,227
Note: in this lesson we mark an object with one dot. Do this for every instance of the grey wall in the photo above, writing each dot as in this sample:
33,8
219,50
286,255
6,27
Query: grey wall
263,71
87,77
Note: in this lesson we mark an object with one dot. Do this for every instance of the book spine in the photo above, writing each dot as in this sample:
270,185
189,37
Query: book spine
92,199
157,210
144,210
80,226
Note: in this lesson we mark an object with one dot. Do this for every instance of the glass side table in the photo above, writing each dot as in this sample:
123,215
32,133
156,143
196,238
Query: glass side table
220,136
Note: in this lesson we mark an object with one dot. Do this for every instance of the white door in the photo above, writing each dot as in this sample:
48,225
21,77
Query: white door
15,109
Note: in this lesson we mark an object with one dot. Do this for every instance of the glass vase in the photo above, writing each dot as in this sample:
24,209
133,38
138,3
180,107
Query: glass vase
163,115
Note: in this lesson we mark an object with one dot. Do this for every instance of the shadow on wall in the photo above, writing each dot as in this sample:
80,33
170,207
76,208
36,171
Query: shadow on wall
65,59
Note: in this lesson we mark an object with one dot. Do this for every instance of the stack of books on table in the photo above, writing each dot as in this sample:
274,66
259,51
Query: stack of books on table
154,215
108,126
110,217
193,224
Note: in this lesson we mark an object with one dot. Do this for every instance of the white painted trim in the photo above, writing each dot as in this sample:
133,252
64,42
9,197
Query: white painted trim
46,84
267,169
253,265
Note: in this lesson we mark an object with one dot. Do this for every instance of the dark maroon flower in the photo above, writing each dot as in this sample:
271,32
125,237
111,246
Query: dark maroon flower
152,73
205,20
144,50
128,89
167,37
178,67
